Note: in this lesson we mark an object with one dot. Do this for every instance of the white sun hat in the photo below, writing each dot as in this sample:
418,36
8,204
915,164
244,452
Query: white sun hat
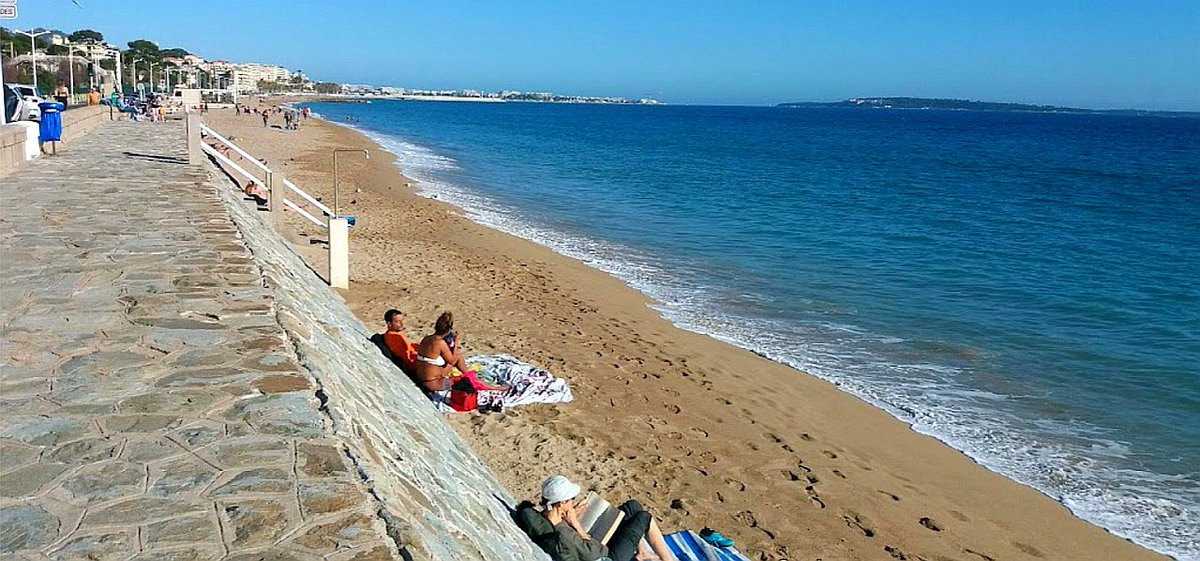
558,489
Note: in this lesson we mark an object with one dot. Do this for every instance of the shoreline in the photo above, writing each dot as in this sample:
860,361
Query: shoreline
803,468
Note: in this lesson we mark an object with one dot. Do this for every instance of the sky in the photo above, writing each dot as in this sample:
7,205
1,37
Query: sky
1093,54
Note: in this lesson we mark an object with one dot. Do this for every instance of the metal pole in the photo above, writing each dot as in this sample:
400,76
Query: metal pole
120,85
33,55
336,209
3,111
71,64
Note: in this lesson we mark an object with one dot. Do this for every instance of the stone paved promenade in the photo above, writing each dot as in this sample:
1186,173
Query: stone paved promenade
151,405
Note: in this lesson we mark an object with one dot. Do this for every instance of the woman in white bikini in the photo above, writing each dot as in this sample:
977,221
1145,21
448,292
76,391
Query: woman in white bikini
438,354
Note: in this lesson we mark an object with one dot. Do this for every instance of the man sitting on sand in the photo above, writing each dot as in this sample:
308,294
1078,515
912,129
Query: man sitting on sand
397,342
562,507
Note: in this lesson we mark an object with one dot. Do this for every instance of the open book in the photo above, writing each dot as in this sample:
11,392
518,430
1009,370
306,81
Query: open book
600,519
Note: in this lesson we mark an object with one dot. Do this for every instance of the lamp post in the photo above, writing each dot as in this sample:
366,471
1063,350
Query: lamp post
33,52
133,64
71,66
120,86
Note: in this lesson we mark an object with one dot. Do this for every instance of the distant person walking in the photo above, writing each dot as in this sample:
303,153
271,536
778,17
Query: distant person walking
62,94
265,117
94,97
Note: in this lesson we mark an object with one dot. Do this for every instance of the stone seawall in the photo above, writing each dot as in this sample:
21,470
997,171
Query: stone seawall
438,499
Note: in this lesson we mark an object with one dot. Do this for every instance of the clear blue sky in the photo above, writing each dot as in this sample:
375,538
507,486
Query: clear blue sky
1090,53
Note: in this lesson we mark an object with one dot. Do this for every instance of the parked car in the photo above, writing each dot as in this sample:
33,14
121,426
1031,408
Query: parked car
21,103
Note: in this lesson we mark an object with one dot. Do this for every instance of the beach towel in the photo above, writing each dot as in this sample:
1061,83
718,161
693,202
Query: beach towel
529,384
688,546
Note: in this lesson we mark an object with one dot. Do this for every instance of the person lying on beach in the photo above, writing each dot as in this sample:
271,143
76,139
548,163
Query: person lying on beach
258,192
222,148
561,507
439,358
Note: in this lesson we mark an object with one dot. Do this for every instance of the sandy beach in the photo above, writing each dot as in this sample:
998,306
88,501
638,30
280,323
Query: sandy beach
701,432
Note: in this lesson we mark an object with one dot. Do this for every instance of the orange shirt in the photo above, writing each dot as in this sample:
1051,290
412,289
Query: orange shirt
401,347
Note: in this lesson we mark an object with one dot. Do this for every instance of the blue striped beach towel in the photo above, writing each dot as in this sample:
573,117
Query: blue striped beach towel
688,546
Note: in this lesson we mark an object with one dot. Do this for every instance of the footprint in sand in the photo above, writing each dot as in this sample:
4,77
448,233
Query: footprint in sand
892,496
859,522
698,432
1028,549
829,454
814,496
931,524
735,484
983,556
747,517
897,554
959,516
805,437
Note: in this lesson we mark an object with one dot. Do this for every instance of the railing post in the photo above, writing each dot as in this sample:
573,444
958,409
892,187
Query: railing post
339,253
274,198
195,156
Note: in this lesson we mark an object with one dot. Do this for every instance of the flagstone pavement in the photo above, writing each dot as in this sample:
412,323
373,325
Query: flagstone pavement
151,406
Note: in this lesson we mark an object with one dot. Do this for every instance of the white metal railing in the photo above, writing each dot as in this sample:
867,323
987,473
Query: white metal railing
208,149
337,228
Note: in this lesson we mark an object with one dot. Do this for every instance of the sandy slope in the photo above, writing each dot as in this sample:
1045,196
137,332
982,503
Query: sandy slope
703,433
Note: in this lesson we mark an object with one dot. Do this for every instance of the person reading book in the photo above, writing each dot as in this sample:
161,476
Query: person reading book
588,532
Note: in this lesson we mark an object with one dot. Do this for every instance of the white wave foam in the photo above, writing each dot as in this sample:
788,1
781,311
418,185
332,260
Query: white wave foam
1140,506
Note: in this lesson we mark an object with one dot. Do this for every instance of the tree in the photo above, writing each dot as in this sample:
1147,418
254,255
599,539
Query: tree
86,36
14,42
176,52
328,88
56,50
146,50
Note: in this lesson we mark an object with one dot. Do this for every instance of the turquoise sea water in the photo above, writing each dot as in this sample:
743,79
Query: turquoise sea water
1021,286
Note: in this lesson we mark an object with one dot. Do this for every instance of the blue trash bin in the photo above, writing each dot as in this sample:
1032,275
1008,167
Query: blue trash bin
50,129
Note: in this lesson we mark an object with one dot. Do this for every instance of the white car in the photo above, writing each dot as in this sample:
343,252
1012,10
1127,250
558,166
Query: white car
21,103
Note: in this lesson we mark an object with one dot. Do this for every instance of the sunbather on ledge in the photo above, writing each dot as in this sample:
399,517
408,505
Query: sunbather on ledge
439,354
397,342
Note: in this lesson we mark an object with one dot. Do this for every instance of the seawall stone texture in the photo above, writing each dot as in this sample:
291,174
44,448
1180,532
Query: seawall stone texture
154,407
439,499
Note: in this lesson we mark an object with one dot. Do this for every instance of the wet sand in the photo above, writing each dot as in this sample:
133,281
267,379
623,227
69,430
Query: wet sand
703,433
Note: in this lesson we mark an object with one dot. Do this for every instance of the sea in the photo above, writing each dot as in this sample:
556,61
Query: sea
1024,287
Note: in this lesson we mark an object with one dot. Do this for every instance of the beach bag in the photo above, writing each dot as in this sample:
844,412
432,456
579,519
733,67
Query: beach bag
463,396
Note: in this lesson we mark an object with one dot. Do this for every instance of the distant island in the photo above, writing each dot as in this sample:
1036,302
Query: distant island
967,105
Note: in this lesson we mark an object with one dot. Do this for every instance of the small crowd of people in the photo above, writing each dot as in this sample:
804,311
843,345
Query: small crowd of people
434,364
291,117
